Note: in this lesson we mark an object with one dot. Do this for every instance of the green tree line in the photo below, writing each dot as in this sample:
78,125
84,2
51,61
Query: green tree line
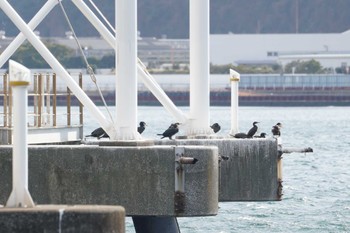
29,57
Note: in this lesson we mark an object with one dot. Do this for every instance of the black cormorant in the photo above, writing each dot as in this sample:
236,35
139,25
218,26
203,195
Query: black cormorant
216,127
171,131
276,129
253,130
142,127
262,135
98,133
240,135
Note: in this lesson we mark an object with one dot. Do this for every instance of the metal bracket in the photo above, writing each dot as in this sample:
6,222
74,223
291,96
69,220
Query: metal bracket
180,160
179,195
179,171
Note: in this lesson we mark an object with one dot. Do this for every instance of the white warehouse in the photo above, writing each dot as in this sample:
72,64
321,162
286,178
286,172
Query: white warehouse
330,49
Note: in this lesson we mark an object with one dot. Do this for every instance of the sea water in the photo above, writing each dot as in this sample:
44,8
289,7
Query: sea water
316,186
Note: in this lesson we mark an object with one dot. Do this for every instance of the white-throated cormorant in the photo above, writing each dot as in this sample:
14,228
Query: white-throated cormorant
276,130
142,127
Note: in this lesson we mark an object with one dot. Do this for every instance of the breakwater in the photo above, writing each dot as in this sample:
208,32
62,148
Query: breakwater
249,97
254,90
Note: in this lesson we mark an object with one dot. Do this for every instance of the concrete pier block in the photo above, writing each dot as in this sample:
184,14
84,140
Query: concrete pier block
63,219
250,172
139,178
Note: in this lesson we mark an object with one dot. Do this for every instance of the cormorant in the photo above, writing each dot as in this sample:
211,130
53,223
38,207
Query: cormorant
98,133
142,127
216,127
253,130
240,135
276,129
171,131
262,135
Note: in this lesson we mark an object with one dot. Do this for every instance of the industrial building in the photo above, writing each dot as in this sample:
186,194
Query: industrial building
332,50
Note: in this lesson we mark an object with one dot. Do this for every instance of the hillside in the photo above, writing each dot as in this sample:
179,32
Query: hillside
170,17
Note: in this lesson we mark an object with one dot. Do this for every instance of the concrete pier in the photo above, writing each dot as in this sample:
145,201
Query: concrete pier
248,168
63,219
142,179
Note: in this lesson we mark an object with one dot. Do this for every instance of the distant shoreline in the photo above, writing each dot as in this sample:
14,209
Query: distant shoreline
223,98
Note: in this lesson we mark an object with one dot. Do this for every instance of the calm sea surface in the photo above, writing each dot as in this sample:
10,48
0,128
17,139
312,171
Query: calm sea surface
316,185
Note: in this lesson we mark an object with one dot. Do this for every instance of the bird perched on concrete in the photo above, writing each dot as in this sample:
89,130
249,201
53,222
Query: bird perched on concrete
276,130
240,135
98,133
142,127
262,135
171,131
253,130
216,127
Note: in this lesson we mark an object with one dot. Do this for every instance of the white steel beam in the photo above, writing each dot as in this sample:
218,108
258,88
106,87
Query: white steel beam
14,45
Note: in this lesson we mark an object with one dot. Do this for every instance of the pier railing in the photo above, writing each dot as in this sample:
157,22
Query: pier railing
43,99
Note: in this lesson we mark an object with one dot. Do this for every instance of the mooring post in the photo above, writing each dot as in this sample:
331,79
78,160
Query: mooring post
19,80
234,78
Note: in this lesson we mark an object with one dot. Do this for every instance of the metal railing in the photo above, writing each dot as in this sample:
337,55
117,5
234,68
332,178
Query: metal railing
42,101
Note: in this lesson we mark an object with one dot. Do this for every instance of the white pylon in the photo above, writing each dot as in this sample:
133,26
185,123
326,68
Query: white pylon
19,81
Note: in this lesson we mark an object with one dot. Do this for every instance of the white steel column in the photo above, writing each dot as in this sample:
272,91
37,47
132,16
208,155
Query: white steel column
126,58
57,67
147,78
234,79
199,68
14,45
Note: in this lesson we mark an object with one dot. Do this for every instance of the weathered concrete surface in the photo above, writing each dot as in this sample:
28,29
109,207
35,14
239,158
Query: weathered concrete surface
63,219
141,179
249,174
